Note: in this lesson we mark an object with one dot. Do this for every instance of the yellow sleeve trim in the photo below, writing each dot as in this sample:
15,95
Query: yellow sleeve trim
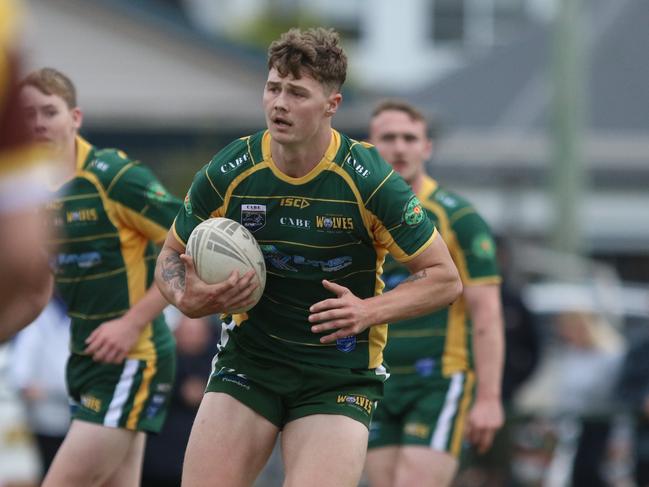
426,244
479,281
175,233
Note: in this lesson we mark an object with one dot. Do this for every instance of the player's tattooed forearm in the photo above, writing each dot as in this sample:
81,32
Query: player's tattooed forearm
173,271
416,276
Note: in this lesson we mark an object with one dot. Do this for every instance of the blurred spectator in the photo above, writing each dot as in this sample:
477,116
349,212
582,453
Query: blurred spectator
633,392
196,341
576,380
37,371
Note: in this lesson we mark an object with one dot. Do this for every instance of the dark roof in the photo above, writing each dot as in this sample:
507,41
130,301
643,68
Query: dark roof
509,87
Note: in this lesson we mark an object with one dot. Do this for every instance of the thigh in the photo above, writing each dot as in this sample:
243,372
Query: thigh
102,451
229,444
133,395
324,450
129,473
418,465
381,465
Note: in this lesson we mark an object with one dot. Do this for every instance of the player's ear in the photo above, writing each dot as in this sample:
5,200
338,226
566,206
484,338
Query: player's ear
77,117
333,102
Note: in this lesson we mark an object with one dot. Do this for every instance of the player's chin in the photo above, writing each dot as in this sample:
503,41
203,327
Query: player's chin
281,134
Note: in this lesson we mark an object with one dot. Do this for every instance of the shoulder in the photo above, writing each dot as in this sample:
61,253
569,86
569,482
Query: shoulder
362,162
108,165
462,215
236,157
450,201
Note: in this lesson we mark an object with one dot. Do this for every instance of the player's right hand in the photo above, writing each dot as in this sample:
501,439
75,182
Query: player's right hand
200,299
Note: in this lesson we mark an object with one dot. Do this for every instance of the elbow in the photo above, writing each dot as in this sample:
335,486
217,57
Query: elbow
458,288
455,286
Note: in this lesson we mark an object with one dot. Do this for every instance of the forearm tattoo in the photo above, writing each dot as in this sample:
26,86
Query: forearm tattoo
415,277
173,271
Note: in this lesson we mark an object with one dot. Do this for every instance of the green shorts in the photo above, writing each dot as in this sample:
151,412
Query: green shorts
282,391
423,411
133,395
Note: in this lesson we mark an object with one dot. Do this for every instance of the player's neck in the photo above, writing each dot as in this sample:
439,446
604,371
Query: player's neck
67,159
417,182
297,160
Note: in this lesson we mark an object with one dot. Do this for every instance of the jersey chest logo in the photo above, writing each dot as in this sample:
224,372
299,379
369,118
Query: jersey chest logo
253,216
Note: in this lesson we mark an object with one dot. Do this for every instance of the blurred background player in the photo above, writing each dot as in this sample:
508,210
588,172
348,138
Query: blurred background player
417,432
108,212
25,287
307,359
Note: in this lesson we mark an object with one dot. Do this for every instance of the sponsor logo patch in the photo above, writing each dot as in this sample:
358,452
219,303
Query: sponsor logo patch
299,223
286,262
253,216
413,213
99,165
346,344
230,375
84,260
300,203
419,430
82,215
91,402
332,223
425,366
232,165
157,401
361,170
361,403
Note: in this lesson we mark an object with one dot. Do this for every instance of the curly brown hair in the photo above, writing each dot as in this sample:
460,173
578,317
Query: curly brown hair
316,52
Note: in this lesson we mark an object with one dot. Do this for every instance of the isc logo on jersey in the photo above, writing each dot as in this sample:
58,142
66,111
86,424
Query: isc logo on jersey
294,202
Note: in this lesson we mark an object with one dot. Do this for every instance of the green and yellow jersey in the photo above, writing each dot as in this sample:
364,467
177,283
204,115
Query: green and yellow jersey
338,222
106,219
440,343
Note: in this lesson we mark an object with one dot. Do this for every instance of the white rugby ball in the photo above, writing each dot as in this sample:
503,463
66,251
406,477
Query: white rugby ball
220,246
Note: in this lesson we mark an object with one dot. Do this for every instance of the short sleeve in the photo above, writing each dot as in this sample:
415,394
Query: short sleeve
142,202
402,226
477,246
201,202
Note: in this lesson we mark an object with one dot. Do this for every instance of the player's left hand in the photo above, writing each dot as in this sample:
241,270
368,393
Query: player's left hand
345,314
112,340
486,417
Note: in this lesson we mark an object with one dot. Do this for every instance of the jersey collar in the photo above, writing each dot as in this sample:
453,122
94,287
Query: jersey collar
327,159
428,186
83,148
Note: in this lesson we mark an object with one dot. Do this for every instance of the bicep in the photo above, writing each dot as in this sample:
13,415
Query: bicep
483,299
436,254
173,243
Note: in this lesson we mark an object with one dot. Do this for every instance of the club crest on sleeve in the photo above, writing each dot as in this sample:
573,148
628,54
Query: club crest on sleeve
413,213
253,216
188,203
